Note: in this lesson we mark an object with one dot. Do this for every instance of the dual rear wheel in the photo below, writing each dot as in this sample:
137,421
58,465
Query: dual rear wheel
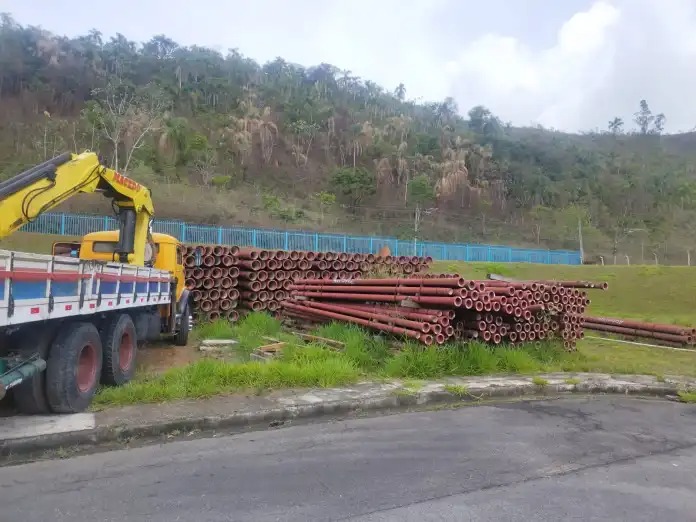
78,357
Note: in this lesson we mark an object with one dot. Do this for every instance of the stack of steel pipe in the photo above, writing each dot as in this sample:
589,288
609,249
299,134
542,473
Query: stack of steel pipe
265,276
434,309
669,334
212,277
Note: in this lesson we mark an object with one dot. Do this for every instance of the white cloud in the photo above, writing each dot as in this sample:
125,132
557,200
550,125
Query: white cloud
604,60
599,63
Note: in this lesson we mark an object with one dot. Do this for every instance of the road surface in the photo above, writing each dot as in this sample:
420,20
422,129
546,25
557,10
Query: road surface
596,458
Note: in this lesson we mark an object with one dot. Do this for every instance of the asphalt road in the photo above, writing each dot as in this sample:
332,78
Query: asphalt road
575,459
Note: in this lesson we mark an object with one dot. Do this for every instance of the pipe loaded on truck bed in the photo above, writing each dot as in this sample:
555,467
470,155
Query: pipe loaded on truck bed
69,322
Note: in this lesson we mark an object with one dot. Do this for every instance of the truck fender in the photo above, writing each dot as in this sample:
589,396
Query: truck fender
183,301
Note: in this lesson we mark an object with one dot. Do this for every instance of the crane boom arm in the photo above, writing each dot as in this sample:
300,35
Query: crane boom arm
43,187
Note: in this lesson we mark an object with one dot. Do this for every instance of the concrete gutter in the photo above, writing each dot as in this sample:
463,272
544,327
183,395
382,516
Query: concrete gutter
34,434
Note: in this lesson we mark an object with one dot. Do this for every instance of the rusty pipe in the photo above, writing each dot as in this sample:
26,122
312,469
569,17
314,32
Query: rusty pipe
403,290
630,323
448,282
413,325
356,320
634,332
455,302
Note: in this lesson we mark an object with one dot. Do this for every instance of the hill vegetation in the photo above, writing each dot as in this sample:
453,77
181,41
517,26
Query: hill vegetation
223,139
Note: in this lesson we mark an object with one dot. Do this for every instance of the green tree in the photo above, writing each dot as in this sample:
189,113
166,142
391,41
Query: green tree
354,184
420,190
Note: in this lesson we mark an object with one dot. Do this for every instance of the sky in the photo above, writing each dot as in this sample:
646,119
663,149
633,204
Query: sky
570,65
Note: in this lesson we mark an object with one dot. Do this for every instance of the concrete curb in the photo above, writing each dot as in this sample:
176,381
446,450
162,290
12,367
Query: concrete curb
365,397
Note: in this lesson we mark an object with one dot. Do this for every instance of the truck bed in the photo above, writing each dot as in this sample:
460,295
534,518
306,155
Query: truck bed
35,287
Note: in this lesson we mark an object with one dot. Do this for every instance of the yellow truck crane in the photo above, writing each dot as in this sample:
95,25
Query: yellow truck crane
66,322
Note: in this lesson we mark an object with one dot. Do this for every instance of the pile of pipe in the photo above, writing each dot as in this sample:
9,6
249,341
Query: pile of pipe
266,276
212,278
669,334
435,309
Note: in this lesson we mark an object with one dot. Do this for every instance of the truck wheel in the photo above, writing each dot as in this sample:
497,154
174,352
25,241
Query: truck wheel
182,335
119,340
30,395
73,368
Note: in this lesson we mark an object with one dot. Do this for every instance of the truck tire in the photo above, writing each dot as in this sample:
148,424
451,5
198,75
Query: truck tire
30,395
120,346
181,338
73,368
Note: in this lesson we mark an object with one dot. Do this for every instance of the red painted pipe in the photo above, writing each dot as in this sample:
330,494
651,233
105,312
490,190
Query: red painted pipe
455,302
252,264
630,323
634,332
448,282
254,286
384,318
403,290
356,320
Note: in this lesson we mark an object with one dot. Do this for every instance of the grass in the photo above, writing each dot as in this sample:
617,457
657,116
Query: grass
539,381
688,396
457,390
369,356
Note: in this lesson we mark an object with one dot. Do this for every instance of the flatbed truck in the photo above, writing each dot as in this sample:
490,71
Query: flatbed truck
72,320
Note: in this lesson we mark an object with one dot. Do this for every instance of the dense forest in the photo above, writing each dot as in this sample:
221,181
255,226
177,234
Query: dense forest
223,139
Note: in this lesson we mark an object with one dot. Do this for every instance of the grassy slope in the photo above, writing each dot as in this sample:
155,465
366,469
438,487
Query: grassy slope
34,243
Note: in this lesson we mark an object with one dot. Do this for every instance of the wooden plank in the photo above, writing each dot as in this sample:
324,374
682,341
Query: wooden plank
271,347
308,337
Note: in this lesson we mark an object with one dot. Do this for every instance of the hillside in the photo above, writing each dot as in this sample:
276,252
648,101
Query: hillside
223,139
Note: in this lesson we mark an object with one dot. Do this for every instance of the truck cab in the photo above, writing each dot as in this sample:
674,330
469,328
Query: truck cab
169,253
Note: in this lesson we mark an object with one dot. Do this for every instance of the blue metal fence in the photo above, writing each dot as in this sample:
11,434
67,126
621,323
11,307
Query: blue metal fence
79,225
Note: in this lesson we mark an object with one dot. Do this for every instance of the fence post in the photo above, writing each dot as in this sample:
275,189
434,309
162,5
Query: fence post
219,239
183,232
316,241
62,224
345,243
106,224
396,247
466,252
253,238
372,245
285,243
445,253
548,257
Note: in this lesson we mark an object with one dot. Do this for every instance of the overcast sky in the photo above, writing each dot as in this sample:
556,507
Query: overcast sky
566,64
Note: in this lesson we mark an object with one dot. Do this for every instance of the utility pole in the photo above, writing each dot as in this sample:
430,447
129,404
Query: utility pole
416,224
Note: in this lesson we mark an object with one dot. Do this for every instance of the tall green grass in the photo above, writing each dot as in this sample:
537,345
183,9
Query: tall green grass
363,355
366,355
